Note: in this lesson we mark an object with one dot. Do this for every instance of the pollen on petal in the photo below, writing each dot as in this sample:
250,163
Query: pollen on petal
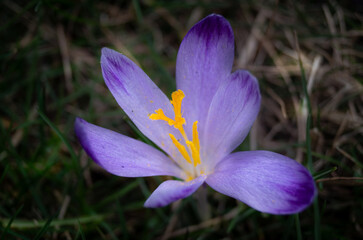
189,178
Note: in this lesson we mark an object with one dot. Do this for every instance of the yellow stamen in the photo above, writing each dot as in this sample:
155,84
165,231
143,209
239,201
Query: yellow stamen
159,115
195,153
196,136
176,101
182,132
181,148
190,150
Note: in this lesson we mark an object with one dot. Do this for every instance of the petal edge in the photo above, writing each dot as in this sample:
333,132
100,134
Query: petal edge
204,61
138,96
266,181
232,112
172,190
122,155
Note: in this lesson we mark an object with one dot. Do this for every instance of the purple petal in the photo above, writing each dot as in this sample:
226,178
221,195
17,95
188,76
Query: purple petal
204,60
231,114
138,96
172,190
121,155
266,181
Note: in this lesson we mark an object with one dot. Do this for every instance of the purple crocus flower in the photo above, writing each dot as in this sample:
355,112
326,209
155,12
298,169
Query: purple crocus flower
206,119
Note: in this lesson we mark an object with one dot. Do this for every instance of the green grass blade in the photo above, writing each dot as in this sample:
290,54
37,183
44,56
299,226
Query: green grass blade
298,227
122,192
138,12
120,211
10,222
240,218
317,230
43,229
4,173
308,144
321,174
80,232
60,135
29,224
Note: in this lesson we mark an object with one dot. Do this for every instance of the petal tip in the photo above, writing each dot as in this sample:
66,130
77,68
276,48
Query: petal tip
111,58
106,54
302,201
273,183
216,18
299,195
214,15
250,82
150,204
78,122
107,51
212,26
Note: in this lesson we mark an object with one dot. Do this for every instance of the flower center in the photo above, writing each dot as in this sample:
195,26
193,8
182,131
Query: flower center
190,150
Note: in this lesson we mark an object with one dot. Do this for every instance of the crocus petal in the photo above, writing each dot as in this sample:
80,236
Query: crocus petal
172,190
138,97
121,155
231,114
204,60
266,181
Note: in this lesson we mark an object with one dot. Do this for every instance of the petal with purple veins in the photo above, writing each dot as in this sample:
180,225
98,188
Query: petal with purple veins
138,97
232,112
204,61
266,181
121,155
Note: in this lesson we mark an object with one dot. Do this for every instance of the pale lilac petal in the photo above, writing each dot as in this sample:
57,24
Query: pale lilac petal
204,60
231,114
121,155
172,190
138,96
266,181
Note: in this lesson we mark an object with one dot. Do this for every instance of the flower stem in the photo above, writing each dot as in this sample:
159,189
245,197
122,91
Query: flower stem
204,210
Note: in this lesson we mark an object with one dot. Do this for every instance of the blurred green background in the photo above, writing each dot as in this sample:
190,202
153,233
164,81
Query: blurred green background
312,111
